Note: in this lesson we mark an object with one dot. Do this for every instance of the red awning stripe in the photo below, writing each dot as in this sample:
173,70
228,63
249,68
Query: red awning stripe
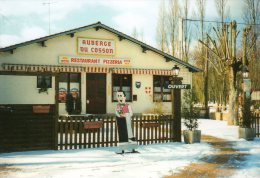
96,69
88,69
142,71
41,68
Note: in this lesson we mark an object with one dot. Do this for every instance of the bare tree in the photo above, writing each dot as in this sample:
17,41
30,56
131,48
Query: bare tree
222,10
252,16
185,31
135,33
138,34
201,11
201,4
161,28
227,63
173,18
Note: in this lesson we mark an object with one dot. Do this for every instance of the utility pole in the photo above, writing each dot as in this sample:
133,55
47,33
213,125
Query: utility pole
206,77
246,82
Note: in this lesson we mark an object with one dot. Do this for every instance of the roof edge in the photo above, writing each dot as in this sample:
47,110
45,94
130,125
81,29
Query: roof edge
100,25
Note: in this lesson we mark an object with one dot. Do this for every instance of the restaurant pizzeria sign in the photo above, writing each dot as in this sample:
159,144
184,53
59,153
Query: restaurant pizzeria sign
88,60
90,46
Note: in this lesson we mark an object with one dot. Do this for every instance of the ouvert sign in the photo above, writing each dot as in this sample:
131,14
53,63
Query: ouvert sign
180,86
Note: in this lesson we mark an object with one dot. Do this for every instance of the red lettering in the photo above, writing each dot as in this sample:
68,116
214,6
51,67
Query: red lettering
83,49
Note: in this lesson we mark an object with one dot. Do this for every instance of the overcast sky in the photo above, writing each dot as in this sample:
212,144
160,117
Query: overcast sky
23,20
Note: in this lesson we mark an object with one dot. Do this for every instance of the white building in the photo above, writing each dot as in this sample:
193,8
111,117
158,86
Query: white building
93,62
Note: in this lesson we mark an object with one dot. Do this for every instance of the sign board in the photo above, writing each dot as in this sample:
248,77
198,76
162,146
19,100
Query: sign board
91,60
180,86
90,46
93,125
149,125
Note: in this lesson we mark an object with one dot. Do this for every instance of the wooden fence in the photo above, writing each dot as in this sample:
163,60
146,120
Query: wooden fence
256,123
76,132
25,127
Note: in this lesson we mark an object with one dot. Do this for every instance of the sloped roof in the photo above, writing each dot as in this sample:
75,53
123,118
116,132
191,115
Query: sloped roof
98,26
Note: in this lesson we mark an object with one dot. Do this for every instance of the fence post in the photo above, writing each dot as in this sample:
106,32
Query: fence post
176,110
56,112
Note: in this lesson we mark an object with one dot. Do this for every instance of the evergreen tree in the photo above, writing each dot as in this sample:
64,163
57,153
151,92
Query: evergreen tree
190,113
69,103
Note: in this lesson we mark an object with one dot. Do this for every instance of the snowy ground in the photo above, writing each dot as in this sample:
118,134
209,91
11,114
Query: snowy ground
154,161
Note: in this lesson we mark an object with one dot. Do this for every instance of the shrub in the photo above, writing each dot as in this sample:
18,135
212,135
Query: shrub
189,113
78,105
69,103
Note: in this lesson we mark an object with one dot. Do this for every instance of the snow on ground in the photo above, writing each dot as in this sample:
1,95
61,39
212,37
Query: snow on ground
251,168
220,129
154,161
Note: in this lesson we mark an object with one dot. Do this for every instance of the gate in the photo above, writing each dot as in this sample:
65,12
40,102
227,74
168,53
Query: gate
23,127
77,132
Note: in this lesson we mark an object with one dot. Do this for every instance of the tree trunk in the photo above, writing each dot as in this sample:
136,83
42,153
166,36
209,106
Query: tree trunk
233,103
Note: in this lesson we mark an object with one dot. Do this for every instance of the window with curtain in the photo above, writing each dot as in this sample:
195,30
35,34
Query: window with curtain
122,82
161,94
44,81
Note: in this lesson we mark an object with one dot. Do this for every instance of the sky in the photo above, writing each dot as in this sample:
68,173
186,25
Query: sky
23,20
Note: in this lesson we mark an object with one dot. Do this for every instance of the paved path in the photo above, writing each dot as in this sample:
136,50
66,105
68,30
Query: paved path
222,163
5,170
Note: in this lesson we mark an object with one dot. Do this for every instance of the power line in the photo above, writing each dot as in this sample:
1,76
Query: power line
214,21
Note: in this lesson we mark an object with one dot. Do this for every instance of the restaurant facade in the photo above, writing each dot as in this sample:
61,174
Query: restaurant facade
91,62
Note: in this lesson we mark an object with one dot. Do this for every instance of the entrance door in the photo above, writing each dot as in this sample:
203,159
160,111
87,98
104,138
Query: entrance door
96,93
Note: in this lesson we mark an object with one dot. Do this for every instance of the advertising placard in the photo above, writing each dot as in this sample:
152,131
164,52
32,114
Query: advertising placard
91,60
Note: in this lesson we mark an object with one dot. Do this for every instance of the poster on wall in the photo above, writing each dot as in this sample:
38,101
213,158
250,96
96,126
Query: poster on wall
62,94
89,46
74,89
62,91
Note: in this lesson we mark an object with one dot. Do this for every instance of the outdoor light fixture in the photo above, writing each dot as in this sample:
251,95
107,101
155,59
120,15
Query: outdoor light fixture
176,71
245,72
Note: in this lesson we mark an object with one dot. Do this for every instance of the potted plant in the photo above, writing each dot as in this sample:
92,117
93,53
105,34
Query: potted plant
245,129
190,114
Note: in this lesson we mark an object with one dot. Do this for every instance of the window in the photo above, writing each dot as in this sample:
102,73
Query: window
122,82
69,82
44,81
159,92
